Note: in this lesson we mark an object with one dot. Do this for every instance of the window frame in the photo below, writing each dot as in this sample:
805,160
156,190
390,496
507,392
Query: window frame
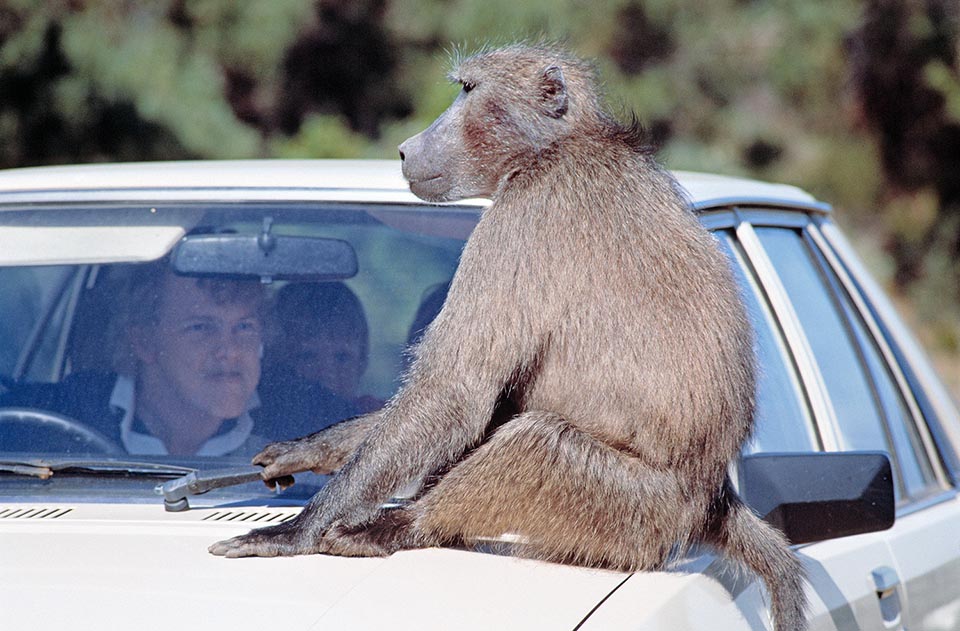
741,221
781,350
797,345
935,414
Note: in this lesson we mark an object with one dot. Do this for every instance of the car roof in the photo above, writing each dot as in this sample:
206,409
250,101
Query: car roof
342,180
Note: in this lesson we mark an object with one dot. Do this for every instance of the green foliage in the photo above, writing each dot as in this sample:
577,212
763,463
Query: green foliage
944,80
247,33
726,76
168,80
322,137
774,89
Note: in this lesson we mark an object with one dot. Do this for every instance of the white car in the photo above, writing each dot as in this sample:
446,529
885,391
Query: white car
100,530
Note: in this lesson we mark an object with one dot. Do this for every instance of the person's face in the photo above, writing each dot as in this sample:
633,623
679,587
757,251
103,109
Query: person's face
205,355
335,360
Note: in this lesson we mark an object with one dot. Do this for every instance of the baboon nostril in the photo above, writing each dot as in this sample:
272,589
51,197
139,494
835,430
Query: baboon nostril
401,156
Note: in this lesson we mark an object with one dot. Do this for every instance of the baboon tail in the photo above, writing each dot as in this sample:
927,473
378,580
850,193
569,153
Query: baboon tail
742,536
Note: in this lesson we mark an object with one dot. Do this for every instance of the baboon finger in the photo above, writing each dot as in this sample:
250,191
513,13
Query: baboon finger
279,483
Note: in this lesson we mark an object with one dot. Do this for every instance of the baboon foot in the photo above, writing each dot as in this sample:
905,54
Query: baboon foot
387,534
272,541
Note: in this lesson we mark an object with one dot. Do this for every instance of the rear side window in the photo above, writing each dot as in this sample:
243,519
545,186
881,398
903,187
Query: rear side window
870,410
917,471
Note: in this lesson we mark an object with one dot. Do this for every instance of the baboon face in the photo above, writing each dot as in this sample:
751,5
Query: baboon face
512,104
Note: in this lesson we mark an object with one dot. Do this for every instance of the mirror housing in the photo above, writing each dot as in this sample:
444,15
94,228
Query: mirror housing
820,496
265,256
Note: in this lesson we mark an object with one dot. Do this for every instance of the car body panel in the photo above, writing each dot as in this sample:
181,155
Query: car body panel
840,596
667,601
79,566
925,544
839,571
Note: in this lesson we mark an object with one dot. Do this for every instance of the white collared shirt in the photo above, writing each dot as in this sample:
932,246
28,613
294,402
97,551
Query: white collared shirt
123,398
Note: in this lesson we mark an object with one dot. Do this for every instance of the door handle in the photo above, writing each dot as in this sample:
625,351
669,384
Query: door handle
887,583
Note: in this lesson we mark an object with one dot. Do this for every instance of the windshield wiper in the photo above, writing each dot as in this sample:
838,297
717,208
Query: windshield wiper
187,480
44,468
176,492
26,469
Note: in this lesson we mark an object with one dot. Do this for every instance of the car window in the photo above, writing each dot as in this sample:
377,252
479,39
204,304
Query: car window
30,296
92,341
870,411
783,421
914,465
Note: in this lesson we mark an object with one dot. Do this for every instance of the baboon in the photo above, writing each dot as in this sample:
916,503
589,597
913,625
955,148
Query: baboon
590,375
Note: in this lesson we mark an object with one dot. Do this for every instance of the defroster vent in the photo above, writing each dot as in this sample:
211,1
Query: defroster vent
33,512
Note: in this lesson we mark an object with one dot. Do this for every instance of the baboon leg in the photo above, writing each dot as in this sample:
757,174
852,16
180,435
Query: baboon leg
322,452
569,497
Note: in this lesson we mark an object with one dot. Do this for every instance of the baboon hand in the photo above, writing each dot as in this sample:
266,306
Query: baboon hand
283,459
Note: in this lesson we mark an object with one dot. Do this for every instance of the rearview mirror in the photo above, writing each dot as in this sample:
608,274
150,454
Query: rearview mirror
820,496
266,256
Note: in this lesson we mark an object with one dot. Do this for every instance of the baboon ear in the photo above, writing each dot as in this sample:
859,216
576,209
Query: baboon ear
553,92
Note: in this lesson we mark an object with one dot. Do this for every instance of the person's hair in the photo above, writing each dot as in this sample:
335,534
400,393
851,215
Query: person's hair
141,299
327,305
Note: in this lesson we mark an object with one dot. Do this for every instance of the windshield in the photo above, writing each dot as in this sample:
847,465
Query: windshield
110,350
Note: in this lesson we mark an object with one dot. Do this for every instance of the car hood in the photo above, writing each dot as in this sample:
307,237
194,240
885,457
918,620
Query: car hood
111,566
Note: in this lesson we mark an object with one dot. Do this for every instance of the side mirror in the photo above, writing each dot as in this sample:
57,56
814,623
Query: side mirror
820,496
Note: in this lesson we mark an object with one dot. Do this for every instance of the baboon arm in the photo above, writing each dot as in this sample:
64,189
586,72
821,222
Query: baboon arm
468,356
424,428
440,412
410,440
322,452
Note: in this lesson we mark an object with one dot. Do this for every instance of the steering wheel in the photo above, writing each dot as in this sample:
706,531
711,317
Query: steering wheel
46,420
7,383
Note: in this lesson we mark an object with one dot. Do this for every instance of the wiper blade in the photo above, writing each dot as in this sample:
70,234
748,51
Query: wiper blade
176,492
44,468
26,469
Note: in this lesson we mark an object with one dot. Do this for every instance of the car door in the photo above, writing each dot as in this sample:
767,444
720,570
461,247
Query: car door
859,400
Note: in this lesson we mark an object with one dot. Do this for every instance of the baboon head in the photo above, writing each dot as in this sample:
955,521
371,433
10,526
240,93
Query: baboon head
515,103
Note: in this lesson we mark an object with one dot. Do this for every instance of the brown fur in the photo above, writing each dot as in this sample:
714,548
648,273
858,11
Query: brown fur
590,375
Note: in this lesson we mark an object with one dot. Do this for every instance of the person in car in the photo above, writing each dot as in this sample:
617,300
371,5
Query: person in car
324,340
188,364
187,369
196,344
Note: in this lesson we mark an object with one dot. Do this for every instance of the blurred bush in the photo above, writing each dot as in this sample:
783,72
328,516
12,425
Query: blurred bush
855,100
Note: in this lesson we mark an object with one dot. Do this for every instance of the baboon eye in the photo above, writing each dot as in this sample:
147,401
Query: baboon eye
468,86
